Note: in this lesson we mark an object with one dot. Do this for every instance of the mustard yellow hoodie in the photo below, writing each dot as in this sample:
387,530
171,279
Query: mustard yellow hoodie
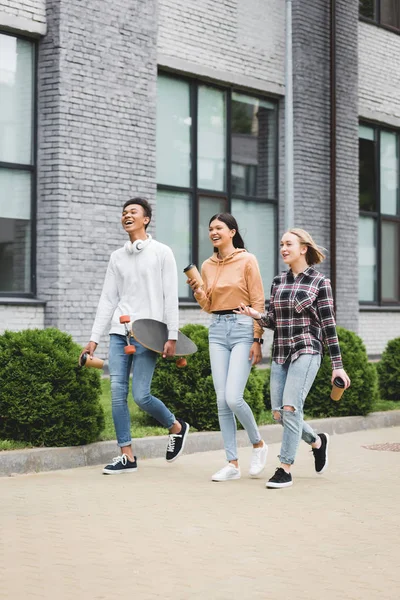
232,280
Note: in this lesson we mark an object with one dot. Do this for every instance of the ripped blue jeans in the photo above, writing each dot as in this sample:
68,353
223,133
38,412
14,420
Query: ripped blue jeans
290,384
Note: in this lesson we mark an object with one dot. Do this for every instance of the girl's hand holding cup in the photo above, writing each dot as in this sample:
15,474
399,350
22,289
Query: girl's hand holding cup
197,289
247,310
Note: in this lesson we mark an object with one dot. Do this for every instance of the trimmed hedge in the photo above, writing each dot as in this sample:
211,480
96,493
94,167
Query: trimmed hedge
45,398
189,392
358,399
389,371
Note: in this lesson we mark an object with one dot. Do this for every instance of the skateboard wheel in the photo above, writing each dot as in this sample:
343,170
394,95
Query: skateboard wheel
129,349
181,362
124,319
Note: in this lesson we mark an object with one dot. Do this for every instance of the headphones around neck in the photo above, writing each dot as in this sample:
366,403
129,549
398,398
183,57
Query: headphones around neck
137,246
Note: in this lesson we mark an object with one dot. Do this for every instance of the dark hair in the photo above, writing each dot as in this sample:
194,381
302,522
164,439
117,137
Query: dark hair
231,223
144,204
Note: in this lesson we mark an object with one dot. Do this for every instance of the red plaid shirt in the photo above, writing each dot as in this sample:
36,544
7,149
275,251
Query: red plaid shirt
301,314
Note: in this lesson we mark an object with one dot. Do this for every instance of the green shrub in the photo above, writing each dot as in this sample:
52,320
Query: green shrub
358,399
45,398
189,392
389,371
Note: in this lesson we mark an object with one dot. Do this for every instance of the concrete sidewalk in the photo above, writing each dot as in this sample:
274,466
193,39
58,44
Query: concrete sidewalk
48,459
167,532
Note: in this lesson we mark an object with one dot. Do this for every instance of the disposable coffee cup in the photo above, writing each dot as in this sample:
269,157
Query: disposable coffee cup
91,362
337,388
192,272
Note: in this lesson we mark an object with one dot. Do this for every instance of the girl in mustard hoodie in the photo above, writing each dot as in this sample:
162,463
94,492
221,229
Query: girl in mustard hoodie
231,277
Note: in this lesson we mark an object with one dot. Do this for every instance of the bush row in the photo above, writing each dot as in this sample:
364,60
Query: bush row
45,399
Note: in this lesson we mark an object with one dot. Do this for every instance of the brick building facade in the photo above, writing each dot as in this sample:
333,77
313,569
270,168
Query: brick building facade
96,139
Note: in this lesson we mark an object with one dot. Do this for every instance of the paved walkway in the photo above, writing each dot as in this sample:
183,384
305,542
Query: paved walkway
167,532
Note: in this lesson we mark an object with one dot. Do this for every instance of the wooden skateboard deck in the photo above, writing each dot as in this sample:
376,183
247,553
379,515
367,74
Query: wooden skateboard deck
153,334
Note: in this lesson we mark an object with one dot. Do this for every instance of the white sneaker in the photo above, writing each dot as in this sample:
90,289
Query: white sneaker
227,473
258,460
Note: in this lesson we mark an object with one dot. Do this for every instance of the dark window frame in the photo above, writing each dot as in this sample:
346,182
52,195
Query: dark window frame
376,20
380,217
32,169
194,191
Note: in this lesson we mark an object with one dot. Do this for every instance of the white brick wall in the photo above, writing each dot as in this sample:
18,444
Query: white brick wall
238,37
16,317
34,10
379,74
377,328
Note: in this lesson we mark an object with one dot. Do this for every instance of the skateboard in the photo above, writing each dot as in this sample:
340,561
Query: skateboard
152,335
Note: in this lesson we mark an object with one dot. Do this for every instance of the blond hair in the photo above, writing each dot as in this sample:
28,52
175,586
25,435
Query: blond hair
315,254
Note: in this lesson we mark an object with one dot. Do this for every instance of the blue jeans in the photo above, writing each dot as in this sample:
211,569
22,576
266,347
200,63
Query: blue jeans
230,338
290,384
120,364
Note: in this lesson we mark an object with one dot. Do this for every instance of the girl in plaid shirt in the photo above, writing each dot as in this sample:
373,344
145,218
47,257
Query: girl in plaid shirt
301,314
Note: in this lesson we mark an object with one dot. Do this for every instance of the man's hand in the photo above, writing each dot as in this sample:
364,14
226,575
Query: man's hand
169,349
89,349
255,353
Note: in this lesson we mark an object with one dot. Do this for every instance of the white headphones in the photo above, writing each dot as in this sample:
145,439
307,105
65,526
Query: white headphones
137,246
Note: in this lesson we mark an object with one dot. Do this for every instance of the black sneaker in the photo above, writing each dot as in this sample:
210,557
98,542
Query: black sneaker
281,479
176,442
120,464
321,453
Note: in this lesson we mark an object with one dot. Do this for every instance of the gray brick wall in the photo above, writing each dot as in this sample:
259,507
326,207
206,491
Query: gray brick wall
311,58
34,10
235,37
97,80
377,328
17,318
379,74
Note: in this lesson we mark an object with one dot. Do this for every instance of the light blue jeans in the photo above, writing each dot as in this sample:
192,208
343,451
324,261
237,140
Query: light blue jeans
120,364
290,384
230,339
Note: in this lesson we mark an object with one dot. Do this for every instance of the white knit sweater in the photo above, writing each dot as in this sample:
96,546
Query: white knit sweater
141,281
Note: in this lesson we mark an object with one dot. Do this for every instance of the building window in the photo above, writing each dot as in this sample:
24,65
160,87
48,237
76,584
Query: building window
17,164
384,12
379,228
216,152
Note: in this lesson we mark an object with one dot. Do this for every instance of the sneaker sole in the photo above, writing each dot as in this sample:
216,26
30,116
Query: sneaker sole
170,460
230,478
278,485
254,475
132,470
326,453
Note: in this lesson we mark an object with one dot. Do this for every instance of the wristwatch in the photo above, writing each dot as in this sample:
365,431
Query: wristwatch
259,340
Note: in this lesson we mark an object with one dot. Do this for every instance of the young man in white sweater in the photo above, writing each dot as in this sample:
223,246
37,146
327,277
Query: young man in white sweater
141,281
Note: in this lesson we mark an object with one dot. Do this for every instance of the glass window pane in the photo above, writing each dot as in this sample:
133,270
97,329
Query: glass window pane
367,184
256,222
367,259
366,133
173,132
207,208
390,13
389,173
15,231
367,8
390,261
173,218
211,139
253,131
16,99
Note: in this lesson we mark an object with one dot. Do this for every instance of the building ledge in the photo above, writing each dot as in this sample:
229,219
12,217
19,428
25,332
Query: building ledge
17,25
15,301
378,309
